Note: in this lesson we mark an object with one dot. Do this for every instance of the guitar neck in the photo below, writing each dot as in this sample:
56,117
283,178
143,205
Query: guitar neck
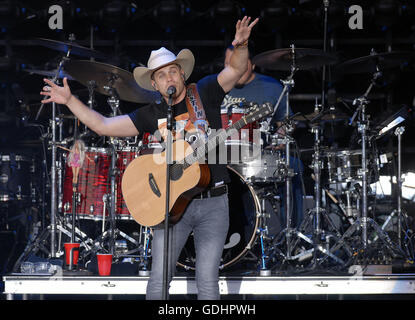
200,152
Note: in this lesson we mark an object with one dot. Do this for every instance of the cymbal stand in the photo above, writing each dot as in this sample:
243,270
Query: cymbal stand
53,204
288,85
401,216
91,98
114,103
362,223
288,232
315,214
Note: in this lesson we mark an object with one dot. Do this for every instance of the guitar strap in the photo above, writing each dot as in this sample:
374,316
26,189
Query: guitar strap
194,104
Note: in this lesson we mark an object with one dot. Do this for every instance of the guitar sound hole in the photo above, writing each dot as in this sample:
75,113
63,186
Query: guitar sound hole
176,171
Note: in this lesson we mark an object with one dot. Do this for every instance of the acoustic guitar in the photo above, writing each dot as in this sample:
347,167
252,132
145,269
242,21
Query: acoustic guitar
144,180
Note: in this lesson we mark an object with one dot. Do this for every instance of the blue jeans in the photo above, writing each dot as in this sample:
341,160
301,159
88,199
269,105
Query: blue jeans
209,221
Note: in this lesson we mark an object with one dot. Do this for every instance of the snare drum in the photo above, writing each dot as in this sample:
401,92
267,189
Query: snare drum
345,166
93,185
269,167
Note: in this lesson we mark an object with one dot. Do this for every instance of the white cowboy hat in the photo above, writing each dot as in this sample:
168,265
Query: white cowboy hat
160,58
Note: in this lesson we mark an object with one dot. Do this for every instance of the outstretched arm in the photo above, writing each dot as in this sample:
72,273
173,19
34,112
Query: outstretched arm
120,126
238,64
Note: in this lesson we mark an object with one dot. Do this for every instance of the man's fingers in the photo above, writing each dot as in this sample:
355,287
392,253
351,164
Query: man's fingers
254,23
48,81
46,100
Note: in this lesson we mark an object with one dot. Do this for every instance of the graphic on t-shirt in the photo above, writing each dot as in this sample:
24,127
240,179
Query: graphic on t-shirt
184,128
230,101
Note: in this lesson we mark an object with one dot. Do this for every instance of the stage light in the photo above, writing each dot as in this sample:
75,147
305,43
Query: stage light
9,13
276,15
386,13
169,14
225,13
115,14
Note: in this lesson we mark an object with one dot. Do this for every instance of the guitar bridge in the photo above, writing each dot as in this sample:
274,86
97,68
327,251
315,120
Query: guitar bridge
153,185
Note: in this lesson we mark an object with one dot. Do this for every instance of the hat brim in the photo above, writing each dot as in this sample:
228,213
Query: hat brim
185,59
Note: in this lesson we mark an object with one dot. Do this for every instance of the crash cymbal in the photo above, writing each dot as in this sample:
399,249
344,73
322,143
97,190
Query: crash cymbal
107,76
368,64
64,47
325,117
49,73
282,59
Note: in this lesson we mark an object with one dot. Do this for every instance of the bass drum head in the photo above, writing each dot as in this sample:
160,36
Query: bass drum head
243,222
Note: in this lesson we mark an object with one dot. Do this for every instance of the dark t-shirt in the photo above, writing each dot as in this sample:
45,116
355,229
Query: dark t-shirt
262,89
152,118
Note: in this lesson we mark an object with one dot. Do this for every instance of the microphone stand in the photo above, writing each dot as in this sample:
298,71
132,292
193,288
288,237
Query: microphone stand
169,143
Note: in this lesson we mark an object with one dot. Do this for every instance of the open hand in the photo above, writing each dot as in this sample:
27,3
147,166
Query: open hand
243,30
55,93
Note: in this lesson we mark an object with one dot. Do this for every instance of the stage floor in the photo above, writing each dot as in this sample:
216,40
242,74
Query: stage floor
19,286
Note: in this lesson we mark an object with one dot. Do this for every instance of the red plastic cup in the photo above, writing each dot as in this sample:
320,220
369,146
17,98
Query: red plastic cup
104,264
75,252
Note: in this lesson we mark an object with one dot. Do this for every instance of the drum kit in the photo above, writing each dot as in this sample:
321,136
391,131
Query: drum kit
260,184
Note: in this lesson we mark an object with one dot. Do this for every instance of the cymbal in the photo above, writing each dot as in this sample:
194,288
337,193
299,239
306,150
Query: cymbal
367,64
107,76
64,47
324,117
282,59
49,73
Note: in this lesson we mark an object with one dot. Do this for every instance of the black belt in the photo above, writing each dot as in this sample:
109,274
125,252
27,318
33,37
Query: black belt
213,192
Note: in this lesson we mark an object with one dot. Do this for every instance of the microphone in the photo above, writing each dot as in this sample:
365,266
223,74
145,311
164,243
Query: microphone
171,90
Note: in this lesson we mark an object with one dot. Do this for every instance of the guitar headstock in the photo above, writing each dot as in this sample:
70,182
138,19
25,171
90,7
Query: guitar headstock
257,112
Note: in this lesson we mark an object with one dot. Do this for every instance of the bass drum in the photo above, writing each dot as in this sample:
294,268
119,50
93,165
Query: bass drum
244,209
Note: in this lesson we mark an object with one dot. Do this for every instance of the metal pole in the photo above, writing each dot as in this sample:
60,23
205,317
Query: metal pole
399,131
364,176
53,207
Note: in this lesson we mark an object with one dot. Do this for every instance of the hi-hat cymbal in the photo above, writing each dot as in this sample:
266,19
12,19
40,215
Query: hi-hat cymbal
368,64
282,59
65,46
107,76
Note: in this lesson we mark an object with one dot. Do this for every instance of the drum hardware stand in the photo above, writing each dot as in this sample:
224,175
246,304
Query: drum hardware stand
55,224
288,231
315,214
91,98
143,271
54,152
263,234
74,204
38,243
288,84
362,223
114,103
398,212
